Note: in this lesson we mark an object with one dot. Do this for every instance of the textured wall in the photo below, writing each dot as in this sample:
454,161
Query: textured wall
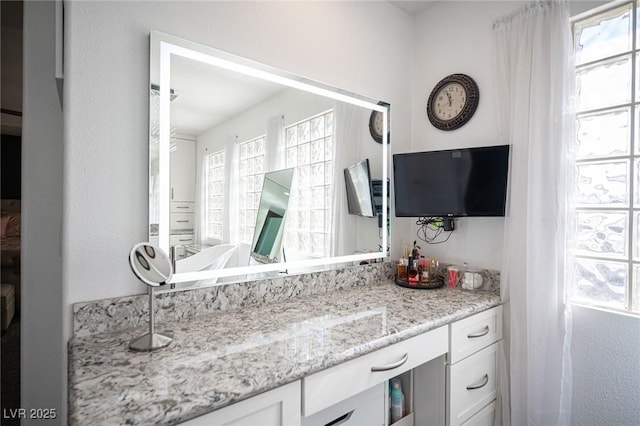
43,345
606,368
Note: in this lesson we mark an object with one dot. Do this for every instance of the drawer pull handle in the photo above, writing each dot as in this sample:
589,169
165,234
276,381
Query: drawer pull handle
404,359
342,419
485,380
182,221
484,332
182,207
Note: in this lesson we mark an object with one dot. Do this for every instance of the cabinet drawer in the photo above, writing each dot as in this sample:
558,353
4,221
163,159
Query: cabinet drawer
181,207
326,388
472,385
181,221
365,408
180,240
277,407
474,333
485,417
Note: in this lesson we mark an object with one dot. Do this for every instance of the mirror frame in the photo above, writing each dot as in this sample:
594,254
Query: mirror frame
161,48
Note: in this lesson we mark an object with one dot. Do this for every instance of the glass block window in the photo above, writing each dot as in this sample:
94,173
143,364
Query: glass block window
214,195
309,149
251,175
606,240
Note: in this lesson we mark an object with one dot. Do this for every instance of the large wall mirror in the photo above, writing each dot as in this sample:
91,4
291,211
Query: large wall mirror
246,168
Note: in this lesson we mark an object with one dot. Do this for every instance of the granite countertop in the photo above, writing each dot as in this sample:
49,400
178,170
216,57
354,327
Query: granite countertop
219,359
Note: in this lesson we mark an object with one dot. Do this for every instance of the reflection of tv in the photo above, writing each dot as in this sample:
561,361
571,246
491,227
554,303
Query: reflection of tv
451,183
359,190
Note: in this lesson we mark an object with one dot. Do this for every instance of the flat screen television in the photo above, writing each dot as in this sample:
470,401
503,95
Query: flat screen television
451,183
357,179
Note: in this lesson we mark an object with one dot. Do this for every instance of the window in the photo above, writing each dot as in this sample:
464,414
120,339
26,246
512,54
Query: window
606,267
251,175
214,195
309,149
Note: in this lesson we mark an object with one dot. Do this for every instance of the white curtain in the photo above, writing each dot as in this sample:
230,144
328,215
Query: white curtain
200,206
346,151
230,233
274,144
534,83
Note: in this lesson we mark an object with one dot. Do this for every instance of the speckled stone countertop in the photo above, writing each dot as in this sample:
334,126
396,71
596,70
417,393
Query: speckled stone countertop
221,358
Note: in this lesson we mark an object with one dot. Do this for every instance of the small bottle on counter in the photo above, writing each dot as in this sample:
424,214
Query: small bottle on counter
401,270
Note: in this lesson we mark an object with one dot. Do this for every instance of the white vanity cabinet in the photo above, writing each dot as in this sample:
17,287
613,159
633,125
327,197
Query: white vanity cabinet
448,375
344,393
472,369
183,168
277,407
183,189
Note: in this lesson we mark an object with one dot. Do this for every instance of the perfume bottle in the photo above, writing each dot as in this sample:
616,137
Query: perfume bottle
401,270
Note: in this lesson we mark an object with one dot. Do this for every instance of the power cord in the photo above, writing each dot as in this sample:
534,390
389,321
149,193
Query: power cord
430,228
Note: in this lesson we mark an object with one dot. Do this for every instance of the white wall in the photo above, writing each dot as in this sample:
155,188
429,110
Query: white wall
605,347
43,347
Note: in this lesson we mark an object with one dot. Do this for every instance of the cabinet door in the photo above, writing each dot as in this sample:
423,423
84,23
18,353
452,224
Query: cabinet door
365,408
183,170
485,417
278,407
472,385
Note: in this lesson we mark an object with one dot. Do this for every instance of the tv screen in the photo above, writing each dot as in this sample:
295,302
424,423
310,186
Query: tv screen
359,191
451,183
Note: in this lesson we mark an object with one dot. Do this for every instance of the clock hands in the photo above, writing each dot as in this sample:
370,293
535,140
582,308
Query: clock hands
449,97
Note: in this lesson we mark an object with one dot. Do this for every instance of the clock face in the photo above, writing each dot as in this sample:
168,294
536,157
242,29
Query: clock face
376,123
452,102
449,101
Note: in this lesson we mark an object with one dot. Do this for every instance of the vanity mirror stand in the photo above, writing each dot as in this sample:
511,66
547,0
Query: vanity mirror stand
151,266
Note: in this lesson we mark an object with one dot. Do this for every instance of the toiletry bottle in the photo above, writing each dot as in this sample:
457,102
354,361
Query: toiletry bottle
397,400
413,264
413,270
402,269
424,268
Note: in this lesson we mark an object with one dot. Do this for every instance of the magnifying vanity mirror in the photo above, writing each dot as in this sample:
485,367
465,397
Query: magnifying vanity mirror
246,167
151,266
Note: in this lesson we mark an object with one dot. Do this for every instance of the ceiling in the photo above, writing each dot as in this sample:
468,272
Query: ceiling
412,7
208,95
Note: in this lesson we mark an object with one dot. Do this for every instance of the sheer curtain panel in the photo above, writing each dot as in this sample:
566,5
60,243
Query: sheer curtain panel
346,151
533,68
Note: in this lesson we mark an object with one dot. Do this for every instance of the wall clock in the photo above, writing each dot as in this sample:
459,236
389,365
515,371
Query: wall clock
453,101
375,123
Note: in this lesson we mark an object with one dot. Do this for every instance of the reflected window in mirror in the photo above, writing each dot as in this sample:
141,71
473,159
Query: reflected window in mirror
215,195
309,150
251,174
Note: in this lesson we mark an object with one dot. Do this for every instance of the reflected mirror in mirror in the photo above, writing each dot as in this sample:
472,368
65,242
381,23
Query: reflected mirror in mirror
271,217
218,126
